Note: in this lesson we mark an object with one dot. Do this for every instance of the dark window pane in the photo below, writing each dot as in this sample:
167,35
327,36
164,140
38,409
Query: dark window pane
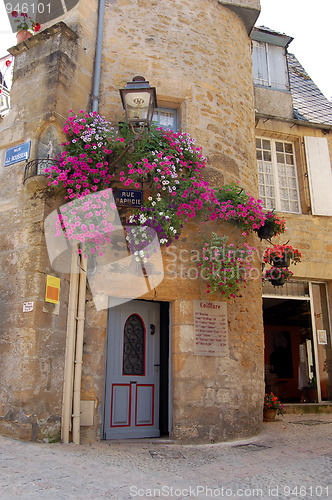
133,346
267,155
266,145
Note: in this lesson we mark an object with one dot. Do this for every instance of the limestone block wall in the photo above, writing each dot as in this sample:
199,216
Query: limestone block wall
199,60
47,82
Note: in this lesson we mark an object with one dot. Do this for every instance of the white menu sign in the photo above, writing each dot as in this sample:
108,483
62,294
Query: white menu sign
210,327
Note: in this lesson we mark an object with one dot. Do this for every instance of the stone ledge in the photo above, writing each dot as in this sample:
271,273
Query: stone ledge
307,408
247,13
51,32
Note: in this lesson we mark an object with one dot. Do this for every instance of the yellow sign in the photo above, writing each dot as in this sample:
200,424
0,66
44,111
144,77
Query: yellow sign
52,289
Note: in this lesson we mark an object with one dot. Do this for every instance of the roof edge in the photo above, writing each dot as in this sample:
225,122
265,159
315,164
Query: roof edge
294,121
263,34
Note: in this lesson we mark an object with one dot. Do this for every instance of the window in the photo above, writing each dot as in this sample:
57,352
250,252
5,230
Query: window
277,178
4,100
269,66
166,118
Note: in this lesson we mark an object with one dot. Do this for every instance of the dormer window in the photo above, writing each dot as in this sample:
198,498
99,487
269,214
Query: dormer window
269,59
269,66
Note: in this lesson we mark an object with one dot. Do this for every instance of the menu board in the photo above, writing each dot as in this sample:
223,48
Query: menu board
210,328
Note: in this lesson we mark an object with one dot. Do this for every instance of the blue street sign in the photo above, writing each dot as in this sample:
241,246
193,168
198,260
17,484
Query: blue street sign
17,153
128,198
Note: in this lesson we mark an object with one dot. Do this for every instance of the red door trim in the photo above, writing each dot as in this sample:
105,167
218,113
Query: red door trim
152,423
129,410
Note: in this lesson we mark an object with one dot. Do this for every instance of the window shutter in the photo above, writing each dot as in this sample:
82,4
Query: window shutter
277,67
259,62
320,175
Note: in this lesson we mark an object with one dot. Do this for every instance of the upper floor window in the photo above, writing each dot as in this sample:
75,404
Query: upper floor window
277,176
269,66
166,118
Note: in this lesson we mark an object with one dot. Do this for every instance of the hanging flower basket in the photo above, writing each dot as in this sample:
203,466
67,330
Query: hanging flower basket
278,281
273,226
266,231
278,276
282,256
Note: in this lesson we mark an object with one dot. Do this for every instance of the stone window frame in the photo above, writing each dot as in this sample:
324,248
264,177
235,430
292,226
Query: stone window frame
167,111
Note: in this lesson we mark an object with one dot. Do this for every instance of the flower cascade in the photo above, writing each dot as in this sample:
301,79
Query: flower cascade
88,221
170,168
226,267
83,167
236,205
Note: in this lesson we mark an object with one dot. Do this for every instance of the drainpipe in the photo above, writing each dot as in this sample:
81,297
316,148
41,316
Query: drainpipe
70,348
72,394
79,352
97,70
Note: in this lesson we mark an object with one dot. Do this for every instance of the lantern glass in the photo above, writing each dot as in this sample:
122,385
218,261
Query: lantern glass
139,101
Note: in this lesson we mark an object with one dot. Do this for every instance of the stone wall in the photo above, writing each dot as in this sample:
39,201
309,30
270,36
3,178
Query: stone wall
200,63
199,60
33,343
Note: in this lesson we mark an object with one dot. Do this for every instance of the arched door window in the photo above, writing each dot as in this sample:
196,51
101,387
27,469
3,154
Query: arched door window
134,346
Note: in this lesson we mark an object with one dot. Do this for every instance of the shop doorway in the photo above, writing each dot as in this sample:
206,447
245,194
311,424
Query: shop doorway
298,356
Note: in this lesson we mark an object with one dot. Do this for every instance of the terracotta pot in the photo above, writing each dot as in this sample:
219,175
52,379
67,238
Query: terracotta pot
269,415
23,35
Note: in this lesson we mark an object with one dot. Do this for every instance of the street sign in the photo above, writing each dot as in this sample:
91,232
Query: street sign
17,153
128,197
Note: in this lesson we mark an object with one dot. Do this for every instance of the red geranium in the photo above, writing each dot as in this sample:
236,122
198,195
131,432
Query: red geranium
14,13
37,27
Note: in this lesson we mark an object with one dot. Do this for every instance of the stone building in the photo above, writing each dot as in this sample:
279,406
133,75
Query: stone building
200,62
294,147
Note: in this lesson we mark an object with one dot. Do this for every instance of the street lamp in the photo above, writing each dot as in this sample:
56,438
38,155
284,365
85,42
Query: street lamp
139,101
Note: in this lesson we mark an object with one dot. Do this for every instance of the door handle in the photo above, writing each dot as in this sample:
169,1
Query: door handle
157,364
152,329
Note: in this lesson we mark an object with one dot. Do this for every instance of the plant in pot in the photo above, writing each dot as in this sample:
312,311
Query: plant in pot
281,255
26,26
278,276
272,407
273,226
310,392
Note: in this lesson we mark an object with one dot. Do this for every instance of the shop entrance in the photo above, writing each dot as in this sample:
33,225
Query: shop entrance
298,356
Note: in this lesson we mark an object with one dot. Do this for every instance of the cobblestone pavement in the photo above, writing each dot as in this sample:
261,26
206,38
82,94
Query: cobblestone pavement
290,459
